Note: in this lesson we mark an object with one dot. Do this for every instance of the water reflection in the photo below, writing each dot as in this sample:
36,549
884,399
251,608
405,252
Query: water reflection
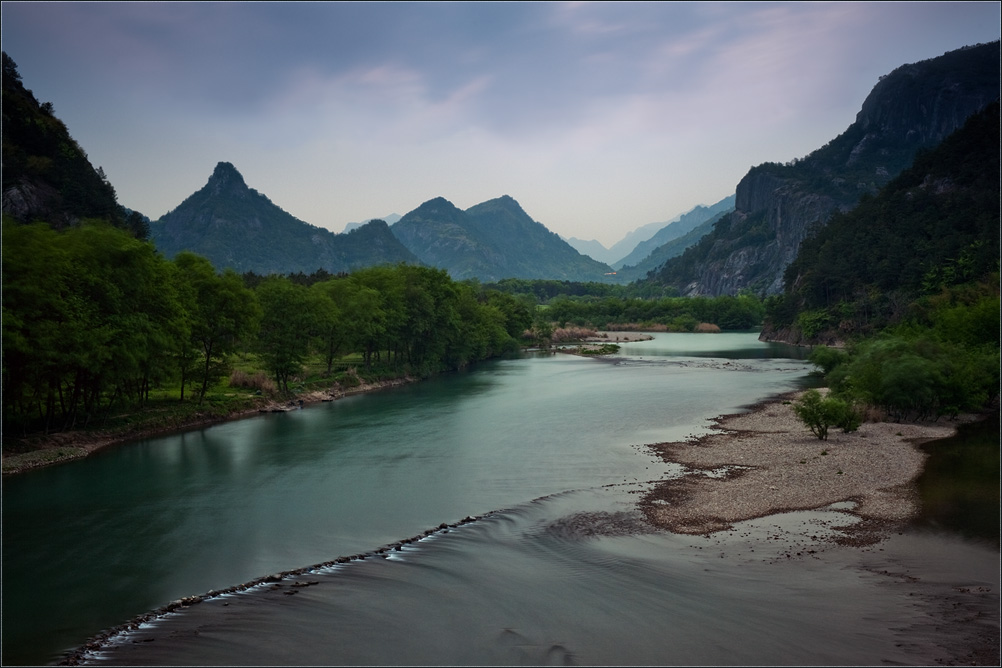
959,486
94,542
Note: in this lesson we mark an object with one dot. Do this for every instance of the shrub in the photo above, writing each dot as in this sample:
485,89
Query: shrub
258,381
827,358
820,413
563,334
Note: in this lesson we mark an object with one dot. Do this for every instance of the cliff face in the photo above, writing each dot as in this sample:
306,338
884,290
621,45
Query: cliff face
776,206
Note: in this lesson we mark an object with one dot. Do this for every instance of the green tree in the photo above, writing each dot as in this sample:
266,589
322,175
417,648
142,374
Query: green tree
334,332
819,413
222,313
289,319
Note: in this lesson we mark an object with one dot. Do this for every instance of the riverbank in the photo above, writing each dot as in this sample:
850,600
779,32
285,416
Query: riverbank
765,461
61,447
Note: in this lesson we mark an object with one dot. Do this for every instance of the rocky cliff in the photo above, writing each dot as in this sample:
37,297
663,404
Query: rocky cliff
913,108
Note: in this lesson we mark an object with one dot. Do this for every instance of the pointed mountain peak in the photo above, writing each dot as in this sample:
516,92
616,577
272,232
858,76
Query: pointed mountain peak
434,209
437,203
226,177
503,203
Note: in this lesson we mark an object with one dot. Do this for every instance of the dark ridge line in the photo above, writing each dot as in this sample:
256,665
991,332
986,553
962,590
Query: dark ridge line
98,642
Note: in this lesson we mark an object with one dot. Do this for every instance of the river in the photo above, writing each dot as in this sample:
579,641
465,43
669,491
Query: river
547,449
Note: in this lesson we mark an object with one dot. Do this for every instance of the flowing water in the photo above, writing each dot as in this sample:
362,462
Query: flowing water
560,569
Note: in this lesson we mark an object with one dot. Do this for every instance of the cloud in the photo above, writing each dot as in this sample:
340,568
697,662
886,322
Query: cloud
592,115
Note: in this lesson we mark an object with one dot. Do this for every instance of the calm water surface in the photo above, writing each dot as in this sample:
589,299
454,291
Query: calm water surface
552,443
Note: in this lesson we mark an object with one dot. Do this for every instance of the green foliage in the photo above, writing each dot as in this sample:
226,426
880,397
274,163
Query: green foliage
290,318
827,358
812,323
91,316
932,228
916,375
222,313
821,413
676,313
39,155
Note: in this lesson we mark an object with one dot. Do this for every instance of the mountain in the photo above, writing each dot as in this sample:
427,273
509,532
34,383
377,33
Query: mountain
389,220
685,223
934,226
592,248
491,241
237,227
913,108
667,251
46,175
625,246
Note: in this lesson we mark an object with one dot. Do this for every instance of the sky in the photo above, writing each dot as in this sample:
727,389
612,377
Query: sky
597,118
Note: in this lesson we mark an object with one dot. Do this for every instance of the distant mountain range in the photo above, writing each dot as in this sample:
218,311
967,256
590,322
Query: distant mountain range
389,220
685,223
491,241
237,227
614,254
647,247
673,248
47,177
913,108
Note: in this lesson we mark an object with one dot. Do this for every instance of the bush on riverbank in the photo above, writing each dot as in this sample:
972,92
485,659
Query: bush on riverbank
820,413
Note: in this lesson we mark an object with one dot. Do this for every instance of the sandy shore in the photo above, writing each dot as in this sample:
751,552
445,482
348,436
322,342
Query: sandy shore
766,461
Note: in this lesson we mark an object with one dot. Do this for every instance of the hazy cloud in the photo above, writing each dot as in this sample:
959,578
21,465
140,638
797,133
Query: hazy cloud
597,117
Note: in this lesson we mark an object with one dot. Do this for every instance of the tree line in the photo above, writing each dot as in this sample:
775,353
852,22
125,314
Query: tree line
678,314
94,318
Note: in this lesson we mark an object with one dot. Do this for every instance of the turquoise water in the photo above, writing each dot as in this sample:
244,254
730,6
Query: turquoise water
533,441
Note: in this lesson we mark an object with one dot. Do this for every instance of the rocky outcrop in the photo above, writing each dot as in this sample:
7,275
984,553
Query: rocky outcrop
777,206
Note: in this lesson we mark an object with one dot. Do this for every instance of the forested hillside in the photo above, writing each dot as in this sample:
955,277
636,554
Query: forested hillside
907,285
914,107
932,228
491,241
237,227
46,175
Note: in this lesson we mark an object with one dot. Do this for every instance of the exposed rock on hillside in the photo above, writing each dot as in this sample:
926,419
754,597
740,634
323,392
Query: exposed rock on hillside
913,108
47,177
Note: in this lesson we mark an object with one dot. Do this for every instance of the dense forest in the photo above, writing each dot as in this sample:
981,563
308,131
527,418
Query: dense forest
909,282
95,319
934,227
98,323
